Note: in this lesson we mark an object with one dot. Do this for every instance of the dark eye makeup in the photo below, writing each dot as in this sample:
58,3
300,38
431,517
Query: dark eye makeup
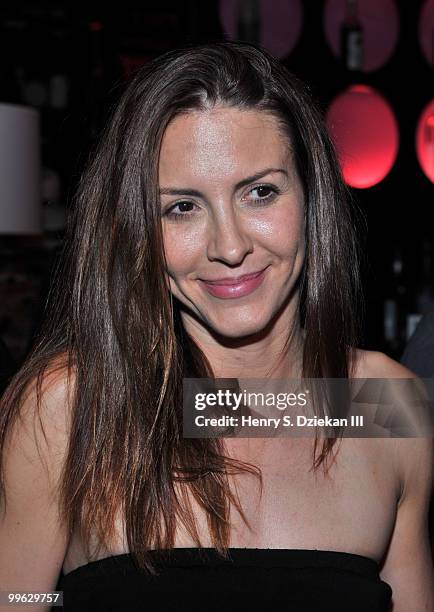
262,199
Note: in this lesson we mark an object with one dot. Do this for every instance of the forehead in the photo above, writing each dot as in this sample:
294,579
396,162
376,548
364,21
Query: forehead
220,142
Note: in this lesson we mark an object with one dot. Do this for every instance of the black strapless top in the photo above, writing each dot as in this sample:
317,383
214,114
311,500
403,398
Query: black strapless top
251,579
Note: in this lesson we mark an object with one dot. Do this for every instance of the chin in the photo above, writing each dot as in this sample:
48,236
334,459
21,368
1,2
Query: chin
249,321
234,329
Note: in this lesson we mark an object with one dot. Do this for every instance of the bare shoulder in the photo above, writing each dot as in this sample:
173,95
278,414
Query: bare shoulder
412,456
53,399
41,414
32,462
374,364
407,563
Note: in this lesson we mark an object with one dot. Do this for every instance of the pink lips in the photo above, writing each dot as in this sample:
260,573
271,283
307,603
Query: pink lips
228,288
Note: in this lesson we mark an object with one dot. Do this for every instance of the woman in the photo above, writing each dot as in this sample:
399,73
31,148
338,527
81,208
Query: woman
214,165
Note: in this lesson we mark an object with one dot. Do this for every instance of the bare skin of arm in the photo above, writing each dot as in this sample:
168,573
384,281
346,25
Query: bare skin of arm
33,541
407,565
408,562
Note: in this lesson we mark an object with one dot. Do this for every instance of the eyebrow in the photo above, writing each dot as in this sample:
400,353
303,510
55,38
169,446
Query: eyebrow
243,183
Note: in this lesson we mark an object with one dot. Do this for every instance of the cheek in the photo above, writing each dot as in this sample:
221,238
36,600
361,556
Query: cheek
182,247
283,231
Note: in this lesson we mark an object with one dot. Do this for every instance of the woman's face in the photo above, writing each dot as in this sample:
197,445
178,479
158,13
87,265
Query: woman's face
232,205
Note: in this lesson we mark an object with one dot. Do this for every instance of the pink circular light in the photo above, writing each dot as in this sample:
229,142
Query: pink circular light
426,31
425,141
365,132
281,23
380,24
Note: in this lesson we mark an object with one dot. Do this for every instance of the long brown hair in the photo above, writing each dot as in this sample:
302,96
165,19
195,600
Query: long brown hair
112,321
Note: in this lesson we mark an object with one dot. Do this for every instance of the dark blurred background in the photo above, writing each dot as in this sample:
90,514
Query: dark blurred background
369,63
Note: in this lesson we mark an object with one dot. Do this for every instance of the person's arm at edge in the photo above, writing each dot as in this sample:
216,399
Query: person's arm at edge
407,565
33,541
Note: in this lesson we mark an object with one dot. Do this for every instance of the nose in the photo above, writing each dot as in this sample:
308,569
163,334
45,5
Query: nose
229,241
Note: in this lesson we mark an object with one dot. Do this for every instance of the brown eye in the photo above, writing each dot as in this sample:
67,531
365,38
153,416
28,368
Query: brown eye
180,211
264,193
183,206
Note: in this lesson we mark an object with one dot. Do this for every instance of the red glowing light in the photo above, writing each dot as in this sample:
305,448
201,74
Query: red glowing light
365,132
425,141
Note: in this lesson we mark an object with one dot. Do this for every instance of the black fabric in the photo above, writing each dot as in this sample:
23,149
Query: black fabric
251,579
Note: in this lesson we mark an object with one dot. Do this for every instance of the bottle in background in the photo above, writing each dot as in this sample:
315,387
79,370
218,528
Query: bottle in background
249,21
352,38
395,307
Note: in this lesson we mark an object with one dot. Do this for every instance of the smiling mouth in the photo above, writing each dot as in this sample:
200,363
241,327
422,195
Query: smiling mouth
233,281
227,288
